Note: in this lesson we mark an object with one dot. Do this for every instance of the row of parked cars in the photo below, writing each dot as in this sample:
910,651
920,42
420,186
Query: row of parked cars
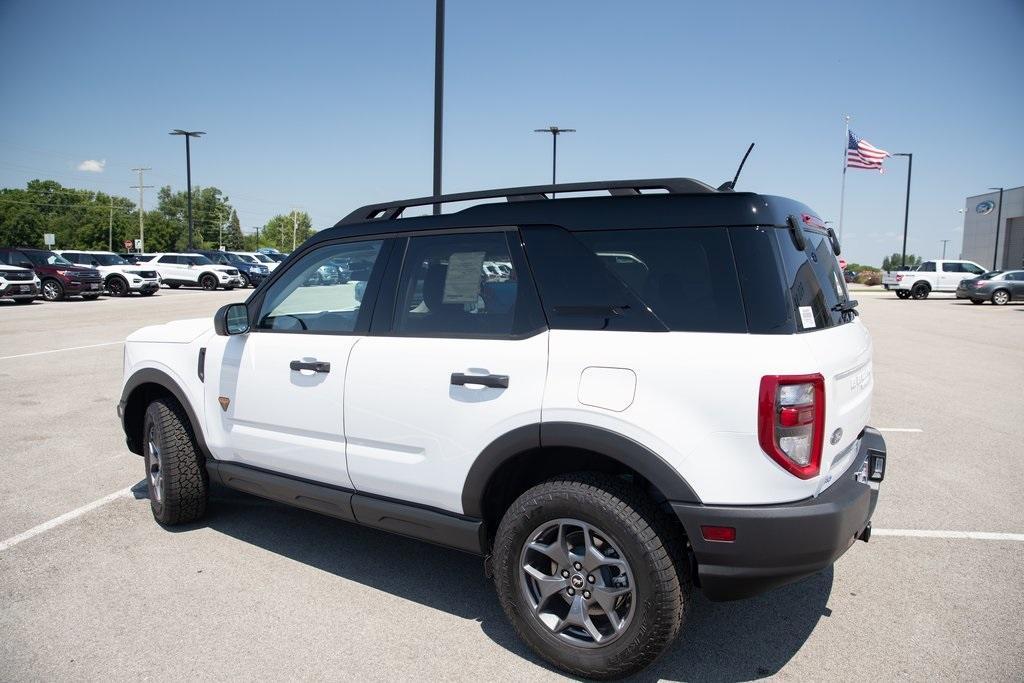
966,278
26,274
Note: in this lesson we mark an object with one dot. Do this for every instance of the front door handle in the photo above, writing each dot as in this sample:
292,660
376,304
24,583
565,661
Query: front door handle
494,381
315,366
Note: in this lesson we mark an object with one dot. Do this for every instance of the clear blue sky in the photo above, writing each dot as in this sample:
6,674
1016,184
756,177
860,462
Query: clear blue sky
328,105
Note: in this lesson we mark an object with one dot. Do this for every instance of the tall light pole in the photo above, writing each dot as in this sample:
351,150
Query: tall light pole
438,97
142,187
188,172
999,220
944,243
906,210
555,132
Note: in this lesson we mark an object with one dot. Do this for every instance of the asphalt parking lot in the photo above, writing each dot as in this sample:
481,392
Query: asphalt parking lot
92,588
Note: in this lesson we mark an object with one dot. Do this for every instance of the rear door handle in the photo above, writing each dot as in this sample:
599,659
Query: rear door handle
494,381
315,366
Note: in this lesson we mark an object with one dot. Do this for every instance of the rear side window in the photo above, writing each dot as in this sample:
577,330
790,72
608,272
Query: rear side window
685,276
927,267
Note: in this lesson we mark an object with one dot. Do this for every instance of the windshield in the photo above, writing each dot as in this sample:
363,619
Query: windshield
46,258
199,261
109,260
245,258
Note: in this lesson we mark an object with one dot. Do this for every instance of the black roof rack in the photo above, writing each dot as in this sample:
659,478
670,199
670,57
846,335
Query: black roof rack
391,210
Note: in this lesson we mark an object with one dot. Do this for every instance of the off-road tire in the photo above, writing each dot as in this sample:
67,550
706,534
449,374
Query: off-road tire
920,291
652,546
1000,297
208,282
183,482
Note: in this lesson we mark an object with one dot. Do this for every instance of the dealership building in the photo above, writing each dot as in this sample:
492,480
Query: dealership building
984,221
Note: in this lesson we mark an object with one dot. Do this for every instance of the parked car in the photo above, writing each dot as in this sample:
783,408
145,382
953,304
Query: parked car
265,259
704,417
193,270
998,286
19,285
930,276
59,277
120,278
134,257
250,271
850,276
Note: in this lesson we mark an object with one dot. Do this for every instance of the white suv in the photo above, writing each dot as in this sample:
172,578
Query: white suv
20,285
120,278
192,270
665,390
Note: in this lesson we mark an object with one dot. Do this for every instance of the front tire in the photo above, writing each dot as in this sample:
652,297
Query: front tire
208,282
245,280
590,576
175,471
1000,297
117,286
53,290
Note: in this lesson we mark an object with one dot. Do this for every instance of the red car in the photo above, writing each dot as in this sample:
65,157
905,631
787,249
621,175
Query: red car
59,277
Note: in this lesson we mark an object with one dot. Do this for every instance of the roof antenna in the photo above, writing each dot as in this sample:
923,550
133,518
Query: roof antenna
731,185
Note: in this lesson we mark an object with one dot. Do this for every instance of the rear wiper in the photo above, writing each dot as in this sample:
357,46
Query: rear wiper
848,306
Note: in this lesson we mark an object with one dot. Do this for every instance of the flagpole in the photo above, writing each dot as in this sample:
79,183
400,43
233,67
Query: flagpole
842,193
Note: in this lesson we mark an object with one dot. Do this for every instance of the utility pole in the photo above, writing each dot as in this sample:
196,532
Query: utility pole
141,186
438,96
555,132
944,242
999,220
110,227
257,238
189,134
295,227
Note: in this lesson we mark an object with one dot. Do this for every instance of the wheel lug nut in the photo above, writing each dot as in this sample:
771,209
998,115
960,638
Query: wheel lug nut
586,594
572,591
565,573
577,566
590,578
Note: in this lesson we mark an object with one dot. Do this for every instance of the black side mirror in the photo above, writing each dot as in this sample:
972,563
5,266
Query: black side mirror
835,242
231,319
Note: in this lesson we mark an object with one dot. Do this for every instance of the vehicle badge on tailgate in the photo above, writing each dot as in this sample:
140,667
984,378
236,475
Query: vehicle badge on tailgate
224,403
834,439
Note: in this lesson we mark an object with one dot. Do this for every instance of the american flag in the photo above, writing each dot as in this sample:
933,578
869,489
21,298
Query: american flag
862,154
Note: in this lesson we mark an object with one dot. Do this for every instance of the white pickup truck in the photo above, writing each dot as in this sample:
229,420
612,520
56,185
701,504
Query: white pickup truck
930,276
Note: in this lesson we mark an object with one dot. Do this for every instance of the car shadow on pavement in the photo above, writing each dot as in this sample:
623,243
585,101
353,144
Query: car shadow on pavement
727,642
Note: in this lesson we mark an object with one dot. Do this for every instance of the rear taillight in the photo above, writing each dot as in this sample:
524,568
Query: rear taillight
979,283
899,278
791,421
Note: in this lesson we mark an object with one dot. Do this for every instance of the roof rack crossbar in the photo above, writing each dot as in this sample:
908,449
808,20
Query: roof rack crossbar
393,210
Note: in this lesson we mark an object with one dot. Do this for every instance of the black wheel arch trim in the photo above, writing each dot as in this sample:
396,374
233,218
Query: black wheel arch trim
165,381
606,442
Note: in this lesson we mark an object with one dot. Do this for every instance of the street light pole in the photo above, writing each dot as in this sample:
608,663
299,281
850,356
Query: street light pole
438,97
906,210
999,220
188,172
555,132
944,242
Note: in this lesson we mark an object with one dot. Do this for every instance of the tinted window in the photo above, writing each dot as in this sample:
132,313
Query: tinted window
578,291
196,260
814,279
686,276
460,285
765,300
168,259
1016,275
306,298
47,258
927,267
953,268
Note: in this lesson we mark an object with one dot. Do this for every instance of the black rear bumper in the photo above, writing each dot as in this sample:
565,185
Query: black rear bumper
778,544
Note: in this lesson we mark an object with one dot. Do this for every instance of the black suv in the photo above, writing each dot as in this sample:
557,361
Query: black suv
251,271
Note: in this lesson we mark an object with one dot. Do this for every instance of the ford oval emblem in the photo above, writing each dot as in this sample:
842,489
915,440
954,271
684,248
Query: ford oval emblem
836,436
985,206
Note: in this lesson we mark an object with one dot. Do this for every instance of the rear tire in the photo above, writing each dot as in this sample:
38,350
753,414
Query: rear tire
902,294
175,471
1000,297
920,291
633,593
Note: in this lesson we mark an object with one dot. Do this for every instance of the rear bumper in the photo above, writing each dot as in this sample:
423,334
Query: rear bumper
778,544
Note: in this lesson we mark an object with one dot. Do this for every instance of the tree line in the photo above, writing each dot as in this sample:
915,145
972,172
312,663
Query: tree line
85,219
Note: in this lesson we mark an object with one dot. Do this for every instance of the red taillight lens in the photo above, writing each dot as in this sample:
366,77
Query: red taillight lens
791,421
718,533
899,278
979,283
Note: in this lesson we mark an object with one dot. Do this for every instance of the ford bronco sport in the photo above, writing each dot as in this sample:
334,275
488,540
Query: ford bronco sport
667,388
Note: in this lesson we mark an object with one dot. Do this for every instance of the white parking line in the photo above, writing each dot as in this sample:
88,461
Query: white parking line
66,517
909,430
938,533
70,348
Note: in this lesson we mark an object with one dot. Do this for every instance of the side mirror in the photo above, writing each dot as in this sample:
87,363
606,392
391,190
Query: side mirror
835,241
231,319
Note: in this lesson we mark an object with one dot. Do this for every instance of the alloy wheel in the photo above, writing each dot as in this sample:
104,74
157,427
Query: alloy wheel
1000,298
51,290
577,582
154,473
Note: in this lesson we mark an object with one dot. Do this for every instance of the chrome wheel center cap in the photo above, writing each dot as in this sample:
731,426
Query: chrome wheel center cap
577,581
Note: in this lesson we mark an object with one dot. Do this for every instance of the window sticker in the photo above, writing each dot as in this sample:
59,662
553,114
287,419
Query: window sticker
807,317
462,281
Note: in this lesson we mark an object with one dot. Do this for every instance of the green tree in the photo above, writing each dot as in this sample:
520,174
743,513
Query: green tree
895,261
210,213
279,230
233,238
79,219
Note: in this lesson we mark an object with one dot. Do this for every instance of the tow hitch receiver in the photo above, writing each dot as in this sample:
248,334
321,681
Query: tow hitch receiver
865,534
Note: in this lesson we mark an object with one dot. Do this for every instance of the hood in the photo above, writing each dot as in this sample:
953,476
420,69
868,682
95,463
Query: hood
175,332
